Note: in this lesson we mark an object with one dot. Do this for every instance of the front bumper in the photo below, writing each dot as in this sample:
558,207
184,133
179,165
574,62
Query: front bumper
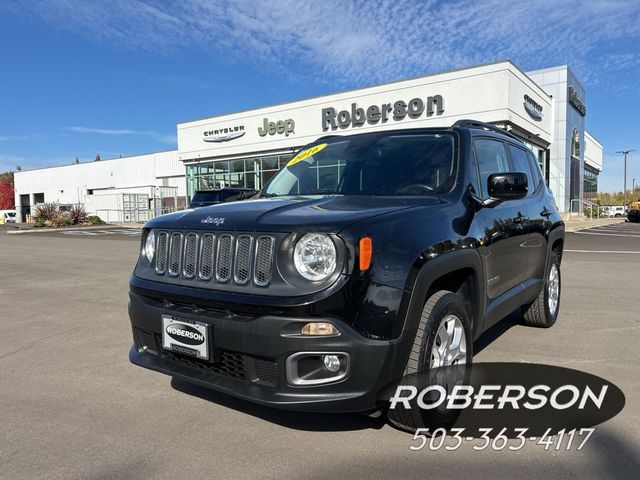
249,356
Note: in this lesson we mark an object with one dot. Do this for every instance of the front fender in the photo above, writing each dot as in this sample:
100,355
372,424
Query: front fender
423,276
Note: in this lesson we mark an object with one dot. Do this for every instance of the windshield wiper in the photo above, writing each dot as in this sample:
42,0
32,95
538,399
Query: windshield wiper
268,195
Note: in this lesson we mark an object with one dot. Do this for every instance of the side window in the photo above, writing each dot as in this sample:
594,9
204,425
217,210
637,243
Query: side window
521,164
492,158
535,169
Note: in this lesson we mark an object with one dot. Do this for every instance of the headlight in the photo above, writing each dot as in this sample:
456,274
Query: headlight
150,246
315,256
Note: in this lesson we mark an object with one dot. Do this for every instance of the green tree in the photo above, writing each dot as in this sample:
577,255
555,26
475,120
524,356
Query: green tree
615,198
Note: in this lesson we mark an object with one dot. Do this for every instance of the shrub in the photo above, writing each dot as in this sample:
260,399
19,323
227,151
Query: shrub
47,213
78,214
63,219
95,220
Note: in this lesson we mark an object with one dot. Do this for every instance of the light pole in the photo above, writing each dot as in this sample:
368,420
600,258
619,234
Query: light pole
633,190
624,192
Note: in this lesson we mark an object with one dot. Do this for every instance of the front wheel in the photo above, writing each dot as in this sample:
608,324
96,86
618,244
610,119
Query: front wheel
443,339
543,311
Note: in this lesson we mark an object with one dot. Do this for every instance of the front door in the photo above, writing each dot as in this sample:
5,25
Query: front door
25,207
503,245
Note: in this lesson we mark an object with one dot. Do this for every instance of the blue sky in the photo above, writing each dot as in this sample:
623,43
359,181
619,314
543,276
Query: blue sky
81,78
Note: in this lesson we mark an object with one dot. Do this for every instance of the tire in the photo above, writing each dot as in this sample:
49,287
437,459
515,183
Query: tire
540,313
439,306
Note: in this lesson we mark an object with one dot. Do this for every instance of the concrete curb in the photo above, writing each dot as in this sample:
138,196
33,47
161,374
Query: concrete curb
106,226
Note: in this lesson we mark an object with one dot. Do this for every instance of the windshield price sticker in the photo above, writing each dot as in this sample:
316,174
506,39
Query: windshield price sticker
306,154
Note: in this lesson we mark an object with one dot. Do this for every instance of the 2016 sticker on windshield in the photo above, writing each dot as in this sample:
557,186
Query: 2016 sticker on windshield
306,154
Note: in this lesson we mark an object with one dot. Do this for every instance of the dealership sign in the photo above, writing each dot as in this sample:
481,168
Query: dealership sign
533,108
574,100
277,127
223,134
356,116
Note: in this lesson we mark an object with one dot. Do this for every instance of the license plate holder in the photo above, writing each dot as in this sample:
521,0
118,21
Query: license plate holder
186,336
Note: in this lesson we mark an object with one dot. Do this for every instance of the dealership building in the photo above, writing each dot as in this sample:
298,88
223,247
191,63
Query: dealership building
545,108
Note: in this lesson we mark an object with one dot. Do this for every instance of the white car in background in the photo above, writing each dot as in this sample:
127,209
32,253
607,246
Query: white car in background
614,211
7,216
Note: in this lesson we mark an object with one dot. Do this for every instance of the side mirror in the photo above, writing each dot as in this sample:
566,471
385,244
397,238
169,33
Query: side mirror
507,186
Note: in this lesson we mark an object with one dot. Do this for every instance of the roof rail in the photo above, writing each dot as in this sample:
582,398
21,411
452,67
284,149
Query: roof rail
485,126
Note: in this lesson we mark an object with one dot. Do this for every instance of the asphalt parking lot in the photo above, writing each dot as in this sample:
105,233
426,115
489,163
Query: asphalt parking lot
72,406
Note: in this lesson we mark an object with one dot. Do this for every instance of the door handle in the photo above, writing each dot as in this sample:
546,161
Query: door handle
545,212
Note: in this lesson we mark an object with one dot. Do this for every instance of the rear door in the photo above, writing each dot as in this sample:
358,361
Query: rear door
504,256
535,224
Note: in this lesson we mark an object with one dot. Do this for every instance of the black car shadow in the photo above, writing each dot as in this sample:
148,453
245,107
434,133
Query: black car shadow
496,331
316,422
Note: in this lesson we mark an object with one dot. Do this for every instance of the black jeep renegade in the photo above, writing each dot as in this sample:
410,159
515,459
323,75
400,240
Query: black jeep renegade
367,257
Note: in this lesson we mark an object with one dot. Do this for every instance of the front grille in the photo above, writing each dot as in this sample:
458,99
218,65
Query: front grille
175,254
223,264
224,258
206,256
161,253
243,259
264,253
230,364
266,370
190,252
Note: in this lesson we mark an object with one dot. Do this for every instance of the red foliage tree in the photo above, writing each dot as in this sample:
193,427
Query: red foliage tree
7,194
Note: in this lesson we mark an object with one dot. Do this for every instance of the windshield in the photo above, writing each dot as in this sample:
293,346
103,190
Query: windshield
204,197
372,164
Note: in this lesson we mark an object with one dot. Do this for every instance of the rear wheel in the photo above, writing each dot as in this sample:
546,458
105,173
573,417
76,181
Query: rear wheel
543,311
443,339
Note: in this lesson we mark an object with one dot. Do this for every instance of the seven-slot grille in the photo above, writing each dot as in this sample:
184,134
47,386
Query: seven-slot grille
222,258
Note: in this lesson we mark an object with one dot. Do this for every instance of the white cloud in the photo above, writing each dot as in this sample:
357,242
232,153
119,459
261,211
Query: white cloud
157,136
8,163
17,138
362,41
105,131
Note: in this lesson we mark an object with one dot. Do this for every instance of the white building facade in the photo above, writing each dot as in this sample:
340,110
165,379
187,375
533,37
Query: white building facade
118,190
545,108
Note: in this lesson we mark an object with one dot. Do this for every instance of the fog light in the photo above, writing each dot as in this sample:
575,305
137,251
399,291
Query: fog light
319,328
316,368
331,363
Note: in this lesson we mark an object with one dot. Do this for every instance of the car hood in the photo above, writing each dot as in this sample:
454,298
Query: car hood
288,214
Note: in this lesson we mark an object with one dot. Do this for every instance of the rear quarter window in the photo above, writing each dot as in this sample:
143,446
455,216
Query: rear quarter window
521,164
535,169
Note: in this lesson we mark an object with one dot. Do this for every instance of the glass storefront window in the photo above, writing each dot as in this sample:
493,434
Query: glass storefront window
236,166
590,184
270,163
252,172
251,164
543,159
